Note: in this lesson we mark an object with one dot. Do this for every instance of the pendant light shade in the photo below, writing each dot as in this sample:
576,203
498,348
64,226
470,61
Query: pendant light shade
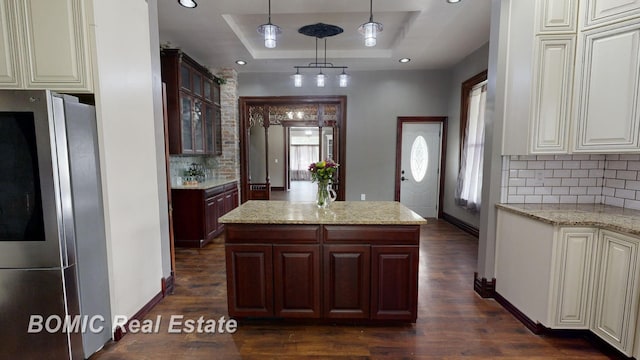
370,29
269,31
320,79
297,79
343,79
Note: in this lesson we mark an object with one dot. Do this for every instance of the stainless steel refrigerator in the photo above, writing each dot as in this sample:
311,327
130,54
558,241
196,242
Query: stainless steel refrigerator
53,257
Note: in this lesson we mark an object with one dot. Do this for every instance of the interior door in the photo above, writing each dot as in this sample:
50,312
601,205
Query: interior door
420,167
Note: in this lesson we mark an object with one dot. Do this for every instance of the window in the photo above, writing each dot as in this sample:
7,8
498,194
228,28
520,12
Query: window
469,185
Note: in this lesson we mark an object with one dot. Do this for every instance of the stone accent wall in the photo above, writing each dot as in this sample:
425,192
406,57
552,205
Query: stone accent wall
229,162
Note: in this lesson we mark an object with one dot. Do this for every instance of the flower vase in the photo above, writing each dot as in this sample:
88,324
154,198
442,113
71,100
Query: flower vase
323,199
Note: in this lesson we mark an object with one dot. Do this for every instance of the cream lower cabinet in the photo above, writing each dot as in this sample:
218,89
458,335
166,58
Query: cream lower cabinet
615,306
572,277
45,45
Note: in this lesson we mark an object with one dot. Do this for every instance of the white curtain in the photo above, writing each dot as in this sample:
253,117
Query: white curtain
469,186
301,157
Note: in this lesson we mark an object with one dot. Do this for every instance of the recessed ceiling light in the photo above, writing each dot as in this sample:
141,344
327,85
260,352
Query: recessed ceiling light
404,60
188,3
453,1
241,62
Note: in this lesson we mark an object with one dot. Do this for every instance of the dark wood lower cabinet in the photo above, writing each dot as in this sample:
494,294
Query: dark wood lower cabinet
316,276
297,281
346,281
196,213
394,282
250,289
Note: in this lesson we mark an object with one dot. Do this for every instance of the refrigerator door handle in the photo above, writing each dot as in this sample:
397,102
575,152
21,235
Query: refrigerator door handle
66,226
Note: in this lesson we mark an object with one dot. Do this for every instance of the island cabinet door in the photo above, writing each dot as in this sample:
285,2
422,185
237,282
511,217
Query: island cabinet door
346,282
249,280
296,281
394,282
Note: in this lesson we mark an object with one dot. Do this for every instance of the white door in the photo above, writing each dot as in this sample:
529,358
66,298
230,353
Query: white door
420,167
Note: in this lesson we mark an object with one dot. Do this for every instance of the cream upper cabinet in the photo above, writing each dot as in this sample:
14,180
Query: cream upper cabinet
551,93
557,16
9,73
601,12
51,43
607,101
572,278
616,290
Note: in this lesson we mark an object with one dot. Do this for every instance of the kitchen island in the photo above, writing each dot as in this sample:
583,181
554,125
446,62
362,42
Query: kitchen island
352,261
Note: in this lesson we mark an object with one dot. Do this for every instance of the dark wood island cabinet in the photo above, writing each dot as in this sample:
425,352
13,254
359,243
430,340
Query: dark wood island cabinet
357,261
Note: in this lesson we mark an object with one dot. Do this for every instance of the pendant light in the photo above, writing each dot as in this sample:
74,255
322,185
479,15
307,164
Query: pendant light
269,31
343,79
320,79
297,78
370,29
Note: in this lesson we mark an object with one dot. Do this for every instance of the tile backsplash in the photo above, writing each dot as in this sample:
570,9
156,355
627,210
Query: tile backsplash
180,163
579,178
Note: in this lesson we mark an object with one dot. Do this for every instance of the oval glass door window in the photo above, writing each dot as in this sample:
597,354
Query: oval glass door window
419,158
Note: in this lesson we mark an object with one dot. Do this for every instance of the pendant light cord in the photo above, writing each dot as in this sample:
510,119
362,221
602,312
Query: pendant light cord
270,11
370,10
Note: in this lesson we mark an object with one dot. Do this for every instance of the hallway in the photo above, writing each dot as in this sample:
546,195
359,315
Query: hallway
453,322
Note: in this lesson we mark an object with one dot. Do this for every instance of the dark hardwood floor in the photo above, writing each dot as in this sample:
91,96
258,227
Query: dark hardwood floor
453,322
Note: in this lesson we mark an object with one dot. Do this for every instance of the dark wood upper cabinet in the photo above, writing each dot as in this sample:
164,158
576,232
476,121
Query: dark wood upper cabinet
192,110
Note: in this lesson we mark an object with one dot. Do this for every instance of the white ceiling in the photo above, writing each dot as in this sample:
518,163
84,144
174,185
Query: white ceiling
433,33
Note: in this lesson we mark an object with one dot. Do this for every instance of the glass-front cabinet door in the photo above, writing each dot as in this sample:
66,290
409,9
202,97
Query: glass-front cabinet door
209,129
198,126
186,124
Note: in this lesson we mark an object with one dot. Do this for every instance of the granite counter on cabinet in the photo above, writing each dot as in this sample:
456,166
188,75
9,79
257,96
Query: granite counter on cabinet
355,261
207,184
600,216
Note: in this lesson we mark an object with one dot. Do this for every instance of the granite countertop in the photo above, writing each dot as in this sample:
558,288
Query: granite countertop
338,213
601,216
207,184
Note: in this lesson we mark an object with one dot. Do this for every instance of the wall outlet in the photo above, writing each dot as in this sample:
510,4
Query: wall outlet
539,176
363,197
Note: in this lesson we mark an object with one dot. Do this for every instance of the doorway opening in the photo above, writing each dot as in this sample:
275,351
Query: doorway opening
281,137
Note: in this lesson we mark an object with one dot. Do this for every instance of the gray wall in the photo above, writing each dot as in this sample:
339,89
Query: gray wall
374,101
468,67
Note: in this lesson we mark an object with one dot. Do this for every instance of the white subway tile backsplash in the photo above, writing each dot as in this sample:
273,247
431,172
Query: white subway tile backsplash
587,182
571,164
633,185
614,183
535,165
578,190
625,194
550,199
586,199
616,165
613,201
579,173
533,199
553,164
568,199
560,190
588,164
570,182
561,173
542,190
627,175
632,204
596,173
613,179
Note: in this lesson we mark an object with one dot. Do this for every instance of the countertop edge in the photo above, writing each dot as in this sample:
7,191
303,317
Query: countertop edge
581,223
